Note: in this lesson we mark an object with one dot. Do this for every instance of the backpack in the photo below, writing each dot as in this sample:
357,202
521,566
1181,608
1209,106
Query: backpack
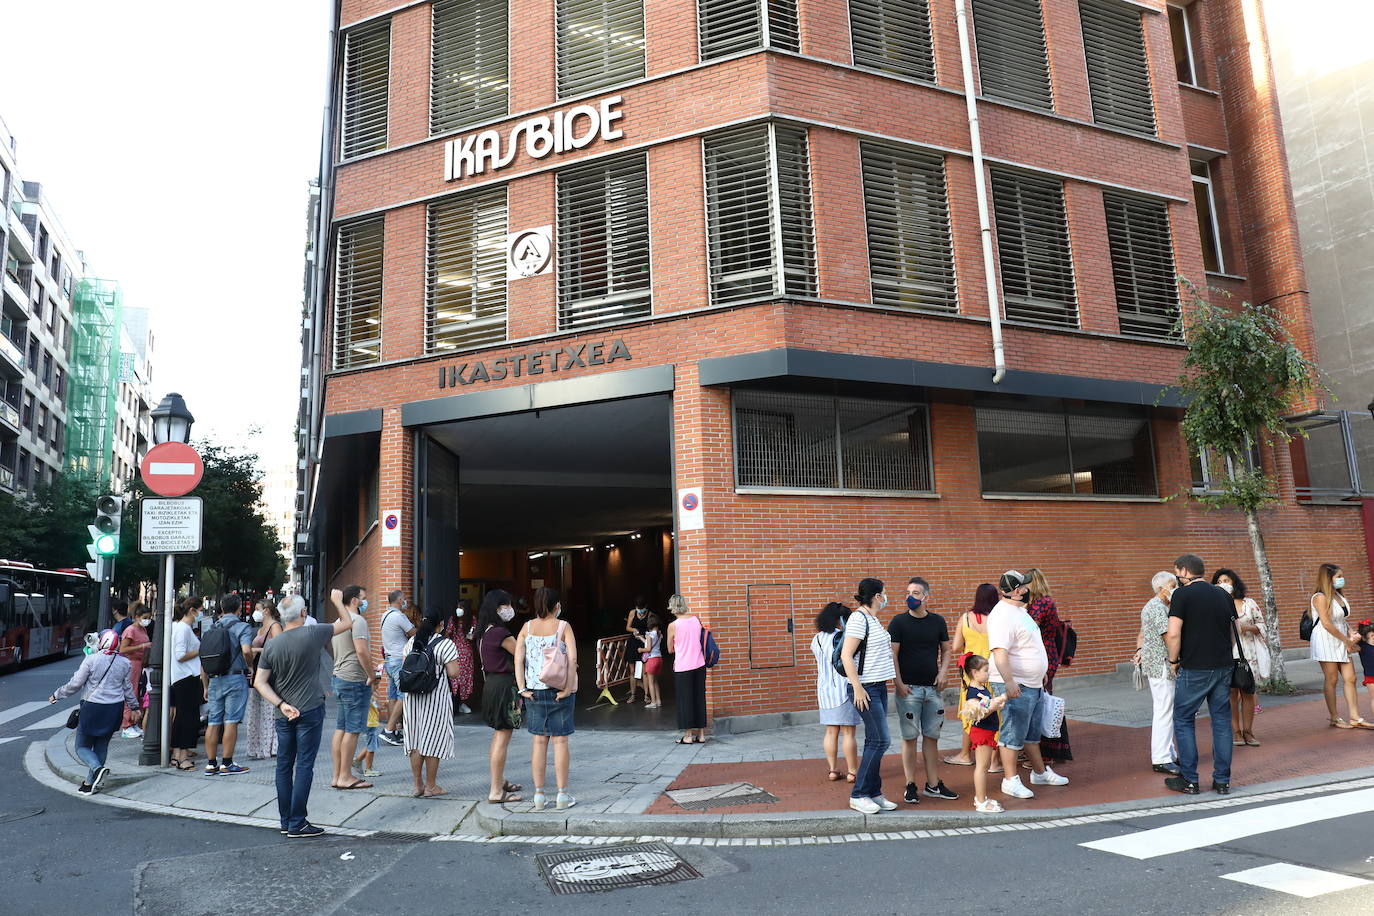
1306,627
709,650
1070,645
217,651
418,674
837,656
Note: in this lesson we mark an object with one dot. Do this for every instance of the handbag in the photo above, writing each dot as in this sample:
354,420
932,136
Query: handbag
1242,677
1051,715
1138,679
74,717
515,709
554,670
1306,626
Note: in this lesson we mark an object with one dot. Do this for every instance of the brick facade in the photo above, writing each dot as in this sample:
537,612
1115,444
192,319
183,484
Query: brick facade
1099,554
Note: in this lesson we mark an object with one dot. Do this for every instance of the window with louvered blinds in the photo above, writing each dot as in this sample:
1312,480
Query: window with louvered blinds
1033,245
1118,72
468,63
1012,62
732,26
600,43
758,199
358,294
1142,253
893,35
603,242
465,302
909,254
366,89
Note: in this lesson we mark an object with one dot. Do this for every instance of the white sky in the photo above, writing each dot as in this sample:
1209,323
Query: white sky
175,141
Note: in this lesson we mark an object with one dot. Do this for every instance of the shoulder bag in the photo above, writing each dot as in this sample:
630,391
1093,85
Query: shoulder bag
74,718
1242,677
554,670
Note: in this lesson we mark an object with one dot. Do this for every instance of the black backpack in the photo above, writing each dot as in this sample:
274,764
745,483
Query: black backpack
418,674
216,651
837,656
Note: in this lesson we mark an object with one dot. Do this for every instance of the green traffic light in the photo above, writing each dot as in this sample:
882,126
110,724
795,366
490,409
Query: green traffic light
106,545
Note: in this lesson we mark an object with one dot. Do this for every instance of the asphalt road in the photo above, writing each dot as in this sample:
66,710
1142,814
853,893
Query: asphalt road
62,854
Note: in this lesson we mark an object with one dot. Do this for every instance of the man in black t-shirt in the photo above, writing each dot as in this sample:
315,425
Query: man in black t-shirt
920,652
1199,647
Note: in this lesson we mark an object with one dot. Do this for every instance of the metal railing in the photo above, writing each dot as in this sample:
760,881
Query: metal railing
9,349
9,413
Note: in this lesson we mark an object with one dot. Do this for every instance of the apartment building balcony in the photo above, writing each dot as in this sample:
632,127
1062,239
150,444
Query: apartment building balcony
21,239
18,286
6,479
9,420
11,359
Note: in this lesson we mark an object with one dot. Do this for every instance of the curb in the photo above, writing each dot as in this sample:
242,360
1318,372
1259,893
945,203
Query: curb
61,759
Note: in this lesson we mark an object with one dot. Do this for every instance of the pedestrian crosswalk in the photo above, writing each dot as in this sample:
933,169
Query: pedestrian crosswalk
23,709
1288,878
56,720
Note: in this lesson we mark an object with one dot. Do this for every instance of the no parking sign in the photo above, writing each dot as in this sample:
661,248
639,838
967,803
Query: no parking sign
690,516
391,529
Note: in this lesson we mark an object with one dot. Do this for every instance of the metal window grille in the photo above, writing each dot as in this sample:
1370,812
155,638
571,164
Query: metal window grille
790,440
1033,245
731,26
603,242
910,259
367,88
1118,73
466,272
1012,61
1066,451
758,197
468,63
600,43
1142,265
893,35
358,294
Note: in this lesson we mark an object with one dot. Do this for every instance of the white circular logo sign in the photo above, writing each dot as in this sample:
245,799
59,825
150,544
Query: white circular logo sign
529,252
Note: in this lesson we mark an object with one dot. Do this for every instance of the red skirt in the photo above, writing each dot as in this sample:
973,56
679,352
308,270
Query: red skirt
982,737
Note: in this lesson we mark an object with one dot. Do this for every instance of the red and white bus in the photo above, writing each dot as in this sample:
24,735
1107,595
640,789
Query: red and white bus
44,613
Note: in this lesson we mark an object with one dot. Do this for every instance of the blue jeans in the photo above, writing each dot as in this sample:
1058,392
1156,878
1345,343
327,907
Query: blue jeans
869,781
92,751
298,741
1191,687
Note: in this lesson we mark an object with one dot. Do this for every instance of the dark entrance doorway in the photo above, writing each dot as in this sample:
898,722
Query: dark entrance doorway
575,498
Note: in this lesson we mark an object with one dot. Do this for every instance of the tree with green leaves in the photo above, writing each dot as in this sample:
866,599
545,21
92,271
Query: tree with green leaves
1241,377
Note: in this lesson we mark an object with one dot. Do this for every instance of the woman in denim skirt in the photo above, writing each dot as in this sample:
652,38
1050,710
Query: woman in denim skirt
548,711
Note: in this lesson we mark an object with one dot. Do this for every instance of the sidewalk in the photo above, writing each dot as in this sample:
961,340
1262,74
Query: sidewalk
621,778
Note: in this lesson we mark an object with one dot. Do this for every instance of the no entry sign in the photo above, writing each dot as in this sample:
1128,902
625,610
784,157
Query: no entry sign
171,469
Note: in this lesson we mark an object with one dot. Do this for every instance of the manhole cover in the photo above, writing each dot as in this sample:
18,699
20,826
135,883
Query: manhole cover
586,871
735,793
18,814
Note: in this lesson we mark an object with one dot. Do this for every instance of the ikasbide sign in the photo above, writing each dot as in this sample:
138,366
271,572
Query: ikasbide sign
572,356
570,129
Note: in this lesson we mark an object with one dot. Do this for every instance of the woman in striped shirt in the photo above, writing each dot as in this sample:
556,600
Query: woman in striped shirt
868,665
837,712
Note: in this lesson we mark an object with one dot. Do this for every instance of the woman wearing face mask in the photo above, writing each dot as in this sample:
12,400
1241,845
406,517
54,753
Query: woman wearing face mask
187,691
106,689
429,716
636,624
262,732
1152,657
1332,644
133,645
500,702
685,643
868,666
548,710
1250,626
1053,631
456,631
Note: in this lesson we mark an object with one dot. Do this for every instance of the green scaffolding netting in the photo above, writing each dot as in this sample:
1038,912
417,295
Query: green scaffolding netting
92,380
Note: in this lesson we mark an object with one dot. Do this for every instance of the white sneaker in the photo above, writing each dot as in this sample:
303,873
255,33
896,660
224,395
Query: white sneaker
865,805
1014,788
884,803
564,800
463,710
988,806
1048,778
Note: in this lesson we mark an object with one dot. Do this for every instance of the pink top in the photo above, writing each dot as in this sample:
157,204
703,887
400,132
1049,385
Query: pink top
687,645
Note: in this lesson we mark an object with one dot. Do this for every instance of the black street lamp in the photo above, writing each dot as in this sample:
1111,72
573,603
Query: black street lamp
171,423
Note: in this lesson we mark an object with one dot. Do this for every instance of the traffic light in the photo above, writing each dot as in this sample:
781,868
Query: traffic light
104,532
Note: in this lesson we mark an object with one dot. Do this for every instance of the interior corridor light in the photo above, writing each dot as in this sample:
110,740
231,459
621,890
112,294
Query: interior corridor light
535,556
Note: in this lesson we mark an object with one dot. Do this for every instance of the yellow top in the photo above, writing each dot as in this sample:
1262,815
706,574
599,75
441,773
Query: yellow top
374,718
974,642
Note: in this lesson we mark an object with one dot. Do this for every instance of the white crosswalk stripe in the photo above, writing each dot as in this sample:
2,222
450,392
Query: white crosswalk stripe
10,738
56,720
1223,828
1298,880
23,709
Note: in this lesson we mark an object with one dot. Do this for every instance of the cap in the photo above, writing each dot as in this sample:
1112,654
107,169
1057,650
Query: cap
1012,580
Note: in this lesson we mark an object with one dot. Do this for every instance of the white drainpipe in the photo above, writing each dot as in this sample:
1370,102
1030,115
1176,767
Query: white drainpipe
999,356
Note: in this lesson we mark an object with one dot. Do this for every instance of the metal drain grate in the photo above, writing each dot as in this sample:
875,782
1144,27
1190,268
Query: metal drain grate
608,868
725,796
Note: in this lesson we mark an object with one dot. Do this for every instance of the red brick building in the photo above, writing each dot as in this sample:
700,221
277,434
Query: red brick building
578,260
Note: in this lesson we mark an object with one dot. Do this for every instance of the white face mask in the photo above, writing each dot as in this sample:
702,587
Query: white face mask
558,611
1169,593
882,601
506,613
1227,586
1338,582
458,612
257,616
145,621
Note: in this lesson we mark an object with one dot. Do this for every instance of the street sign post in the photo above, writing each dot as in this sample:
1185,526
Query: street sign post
170,525
171,469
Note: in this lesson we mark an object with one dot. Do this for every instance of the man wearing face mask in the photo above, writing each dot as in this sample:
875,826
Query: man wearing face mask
920,649
1019,665
396,629
1199,642
227,691
352,686
636,624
